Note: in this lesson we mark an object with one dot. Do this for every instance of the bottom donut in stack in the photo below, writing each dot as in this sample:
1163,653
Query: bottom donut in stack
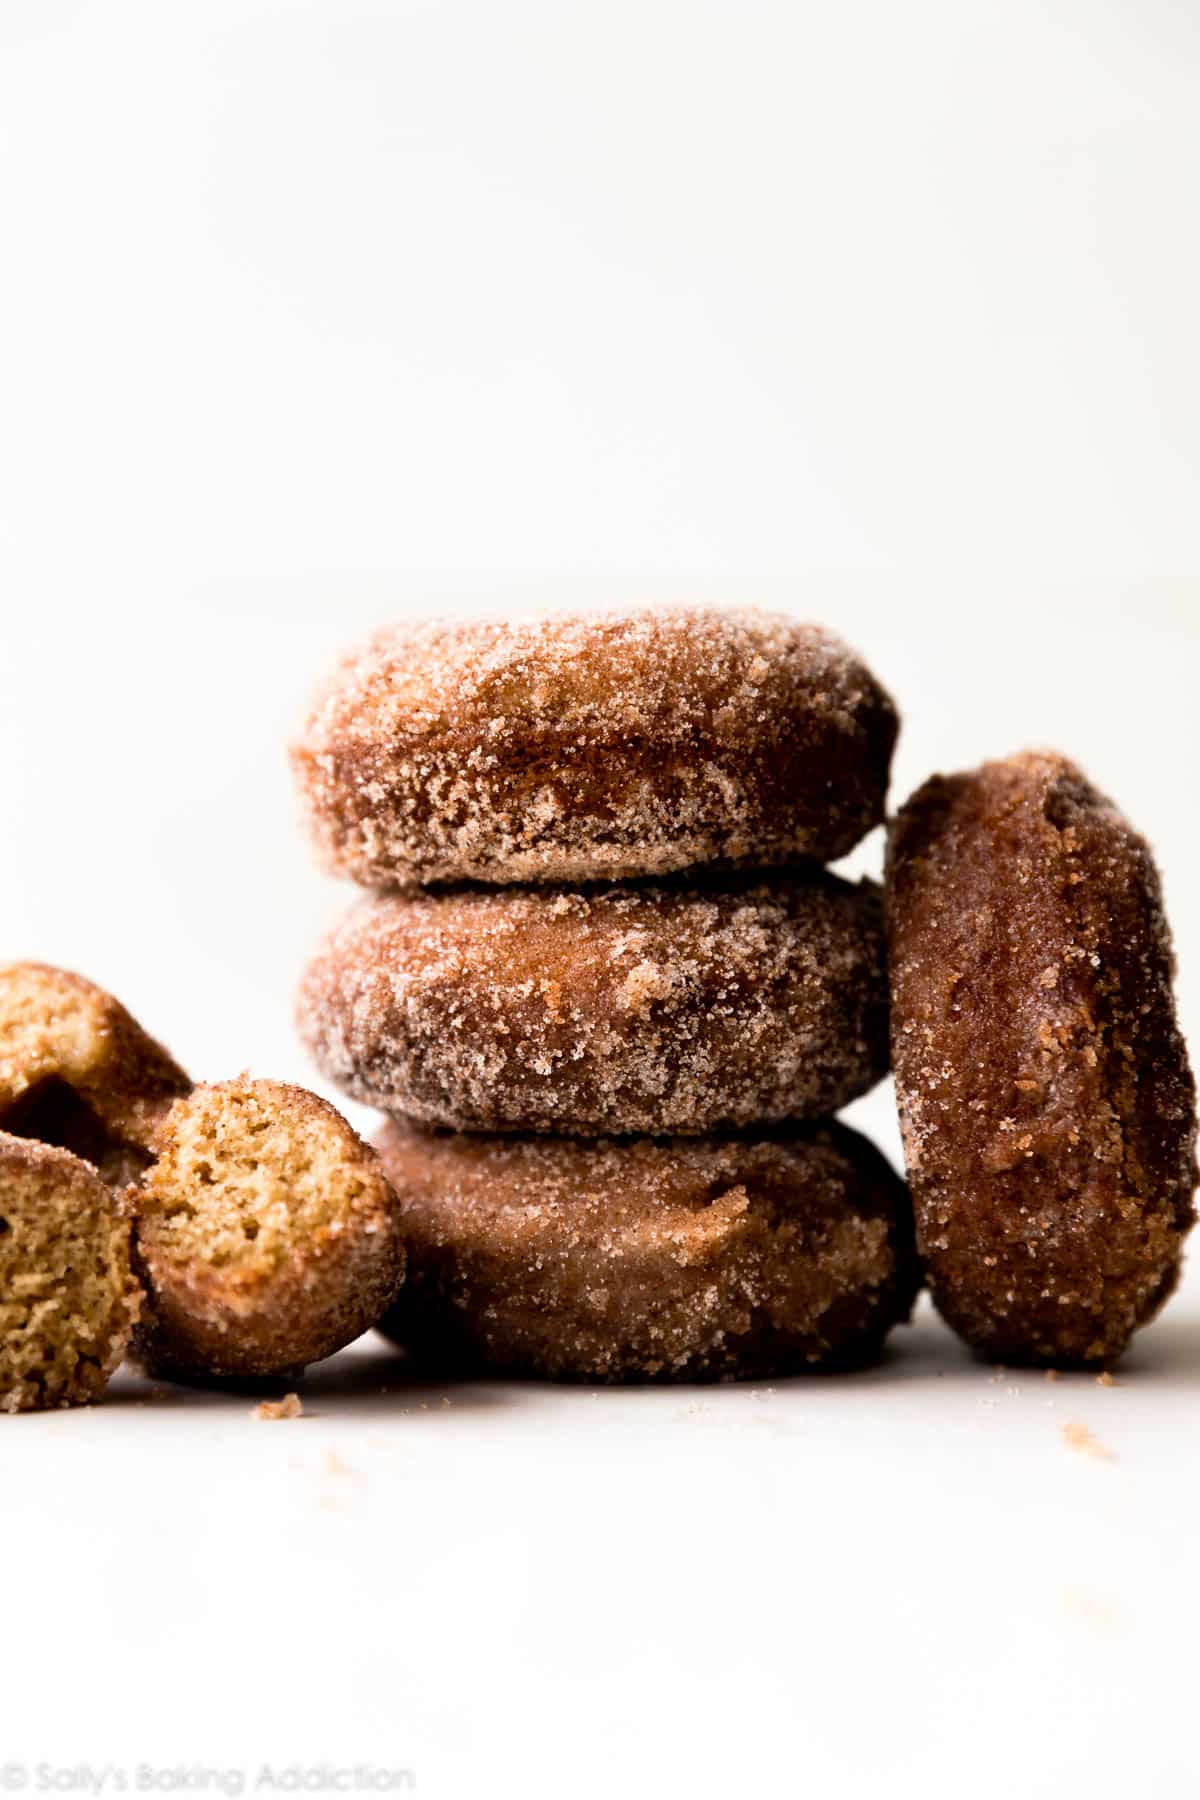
649,1259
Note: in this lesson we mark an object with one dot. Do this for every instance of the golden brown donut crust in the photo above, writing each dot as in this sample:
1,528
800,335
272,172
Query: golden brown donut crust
78,1071
68,1298
592,747
685,1259
266,1234
630,1009
1046,1103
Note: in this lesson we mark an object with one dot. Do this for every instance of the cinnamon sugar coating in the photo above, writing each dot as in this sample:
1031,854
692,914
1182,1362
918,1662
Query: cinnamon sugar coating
77,1071
678,1259
1046,1103
266,1234
592,747
672,1009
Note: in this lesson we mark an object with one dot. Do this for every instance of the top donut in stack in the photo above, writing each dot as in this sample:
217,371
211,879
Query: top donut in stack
593,747
602,941
571,754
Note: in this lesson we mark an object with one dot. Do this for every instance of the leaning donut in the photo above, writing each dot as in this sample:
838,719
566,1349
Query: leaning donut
1046,1103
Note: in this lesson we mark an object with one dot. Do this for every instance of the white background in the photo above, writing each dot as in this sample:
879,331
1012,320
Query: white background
316,314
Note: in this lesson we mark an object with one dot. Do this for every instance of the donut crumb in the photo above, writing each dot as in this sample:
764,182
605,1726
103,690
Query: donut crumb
290,1407
1079,1437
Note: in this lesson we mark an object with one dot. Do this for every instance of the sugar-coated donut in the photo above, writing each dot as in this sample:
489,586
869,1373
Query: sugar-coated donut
77,1071
266,1234
671,1260
592,746
68,1298
732,1001
1046,1103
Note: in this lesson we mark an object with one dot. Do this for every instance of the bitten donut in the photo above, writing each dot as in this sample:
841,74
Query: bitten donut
77,1071
68,1298
668,1260
1046,1103
630,1009
266,1235
592,746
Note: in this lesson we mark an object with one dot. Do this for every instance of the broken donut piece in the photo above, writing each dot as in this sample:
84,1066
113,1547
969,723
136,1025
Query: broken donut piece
68,1299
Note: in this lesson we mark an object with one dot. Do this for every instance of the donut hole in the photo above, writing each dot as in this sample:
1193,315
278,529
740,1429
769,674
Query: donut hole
266,1234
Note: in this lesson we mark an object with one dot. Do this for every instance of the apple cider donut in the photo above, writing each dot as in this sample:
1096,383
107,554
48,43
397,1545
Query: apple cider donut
1046,1101
68,1298
77,1071
592,746
664,1010
684,1259
267,1235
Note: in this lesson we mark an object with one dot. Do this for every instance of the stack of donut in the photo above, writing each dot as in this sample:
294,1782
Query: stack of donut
606,991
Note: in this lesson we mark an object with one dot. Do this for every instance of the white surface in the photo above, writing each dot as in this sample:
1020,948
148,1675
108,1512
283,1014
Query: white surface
316,314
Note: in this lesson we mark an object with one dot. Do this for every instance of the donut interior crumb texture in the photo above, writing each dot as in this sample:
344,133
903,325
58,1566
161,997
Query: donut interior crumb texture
68,1299
649,1259
78,1072
267,1234
592,746
1047,1106
666,1009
